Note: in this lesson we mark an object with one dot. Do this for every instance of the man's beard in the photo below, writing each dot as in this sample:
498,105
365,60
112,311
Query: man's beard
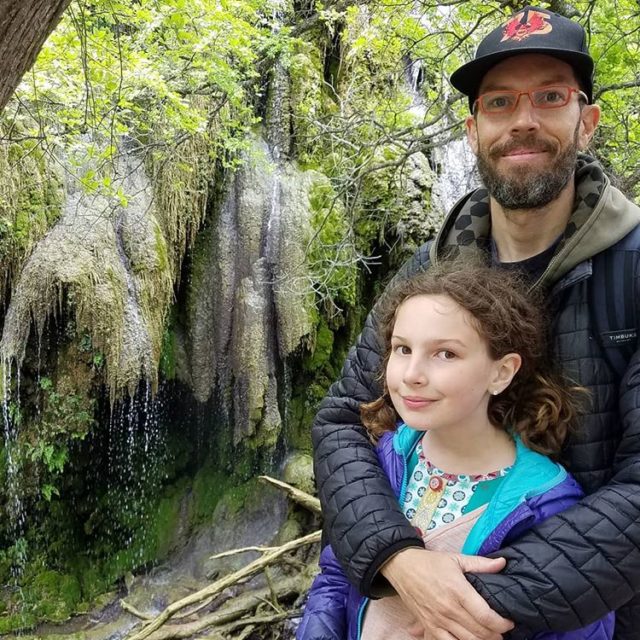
523,188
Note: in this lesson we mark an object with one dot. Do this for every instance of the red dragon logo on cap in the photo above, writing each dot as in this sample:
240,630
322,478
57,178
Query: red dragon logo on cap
518,29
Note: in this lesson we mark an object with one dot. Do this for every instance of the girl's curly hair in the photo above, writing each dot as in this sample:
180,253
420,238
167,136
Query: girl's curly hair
538,405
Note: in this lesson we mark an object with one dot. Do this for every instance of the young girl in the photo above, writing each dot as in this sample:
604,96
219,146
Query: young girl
479,415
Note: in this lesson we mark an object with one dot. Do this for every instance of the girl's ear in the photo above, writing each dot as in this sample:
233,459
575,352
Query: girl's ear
504,371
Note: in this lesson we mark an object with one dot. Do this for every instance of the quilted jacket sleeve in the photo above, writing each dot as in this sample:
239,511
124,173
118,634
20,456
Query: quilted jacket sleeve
325,615
576,566
362,519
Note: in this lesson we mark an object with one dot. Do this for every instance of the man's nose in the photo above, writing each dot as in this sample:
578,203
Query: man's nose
524,118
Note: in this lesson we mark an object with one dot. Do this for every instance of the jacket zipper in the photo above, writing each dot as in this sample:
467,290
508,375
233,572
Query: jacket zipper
361,610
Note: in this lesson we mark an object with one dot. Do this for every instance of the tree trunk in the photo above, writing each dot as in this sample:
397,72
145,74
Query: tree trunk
24,26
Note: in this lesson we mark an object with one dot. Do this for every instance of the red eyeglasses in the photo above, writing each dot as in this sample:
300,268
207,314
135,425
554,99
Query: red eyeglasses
505,101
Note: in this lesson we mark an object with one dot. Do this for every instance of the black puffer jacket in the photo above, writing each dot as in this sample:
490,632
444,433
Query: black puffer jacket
575,567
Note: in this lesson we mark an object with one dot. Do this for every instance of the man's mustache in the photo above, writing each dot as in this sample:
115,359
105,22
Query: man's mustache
530,142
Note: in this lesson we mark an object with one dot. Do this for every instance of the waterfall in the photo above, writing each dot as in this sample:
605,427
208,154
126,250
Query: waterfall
453,161
99,260
455,167
136,456
250,297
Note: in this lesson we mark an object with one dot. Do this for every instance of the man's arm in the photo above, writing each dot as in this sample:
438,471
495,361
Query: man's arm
578,565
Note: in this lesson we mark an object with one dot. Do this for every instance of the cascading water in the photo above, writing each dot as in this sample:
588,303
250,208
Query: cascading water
455,166
15,510
453,161
95,236
136,460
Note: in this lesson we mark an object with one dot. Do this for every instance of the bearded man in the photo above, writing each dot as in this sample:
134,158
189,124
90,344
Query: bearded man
548,210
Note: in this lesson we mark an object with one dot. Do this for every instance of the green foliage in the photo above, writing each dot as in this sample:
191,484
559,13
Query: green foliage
113,68
615,46
65,413
43,447
331,255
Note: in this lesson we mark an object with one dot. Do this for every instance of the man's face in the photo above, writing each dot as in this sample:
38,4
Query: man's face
526,158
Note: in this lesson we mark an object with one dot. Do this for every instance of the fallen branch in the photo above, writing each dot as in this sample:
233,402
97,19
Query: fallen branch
302,498
256,620
131,609
220,585
234,609
235,552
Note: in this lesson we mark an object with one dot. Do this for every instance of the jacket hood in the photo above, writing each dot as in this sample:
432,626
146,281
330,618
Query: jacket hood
601,217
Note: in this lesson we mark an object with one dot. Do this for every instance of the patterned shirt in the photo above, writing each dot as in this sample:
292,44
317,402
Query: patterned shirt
435,498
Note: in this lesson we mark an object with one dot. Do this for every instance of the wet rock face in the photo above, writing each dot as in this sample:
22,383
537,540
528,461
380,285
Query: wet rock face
105,257
250,297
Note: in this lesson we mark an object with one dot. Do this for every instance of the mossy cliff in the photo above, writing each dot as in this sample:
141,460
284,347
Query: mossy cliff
242,329
177,304
112,257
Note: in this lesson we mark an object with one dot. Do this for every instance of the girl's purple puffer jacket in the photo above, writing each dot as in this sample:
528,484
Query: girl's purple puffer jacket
533,490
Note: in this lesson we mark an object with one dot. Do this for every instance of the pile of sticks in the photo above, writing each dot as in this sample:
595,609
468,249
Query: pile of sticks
254,613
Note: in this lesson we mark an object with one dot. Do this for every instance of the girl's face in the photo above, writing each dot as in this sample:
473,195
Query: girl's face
440,374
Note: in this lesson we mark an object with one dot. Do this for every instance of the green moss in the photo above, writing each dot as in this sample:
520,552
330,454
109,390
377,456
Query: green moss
46,595
161,249
323,348
15,621
166,522
30,202
209,485
55,595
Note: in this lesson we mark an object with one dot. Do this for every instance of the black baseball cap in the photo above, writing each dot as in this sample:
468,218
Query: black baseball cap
530,30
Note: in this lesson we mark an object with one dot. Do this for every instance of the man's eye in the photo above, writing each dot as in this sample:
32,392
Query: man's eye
500,101
552,96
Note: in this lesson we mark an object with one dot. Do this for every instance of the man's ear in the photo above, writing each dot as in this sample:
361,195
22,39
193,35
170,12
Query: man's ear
504,372
589,118
472,133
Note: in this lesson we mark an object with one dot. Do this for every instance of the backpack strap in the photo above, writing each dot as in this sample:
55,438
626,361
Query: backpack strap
614,300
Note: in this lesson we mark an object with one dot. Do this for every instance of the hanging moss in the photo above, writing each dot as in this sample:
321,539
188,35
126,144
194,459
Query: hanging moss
114,259
30,201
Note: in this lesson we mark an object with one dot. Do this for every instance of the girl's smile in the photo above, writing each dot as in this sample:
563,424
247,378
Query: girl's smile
413,403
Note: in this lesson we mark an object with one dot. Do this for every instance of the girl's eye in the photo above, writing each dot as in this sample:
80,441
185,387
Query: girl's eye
402,350
445,354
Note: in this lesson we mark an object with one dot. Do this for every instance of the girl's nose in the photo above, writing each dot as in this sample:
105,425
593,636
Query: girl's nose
415,373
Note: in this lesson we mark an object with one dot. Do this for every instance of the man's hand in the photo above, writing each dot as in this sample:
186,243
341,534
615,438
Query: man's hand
446,607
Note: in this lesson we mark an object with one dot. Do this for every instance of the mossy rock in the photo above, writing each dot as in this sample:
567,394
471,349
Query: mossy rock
298,471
